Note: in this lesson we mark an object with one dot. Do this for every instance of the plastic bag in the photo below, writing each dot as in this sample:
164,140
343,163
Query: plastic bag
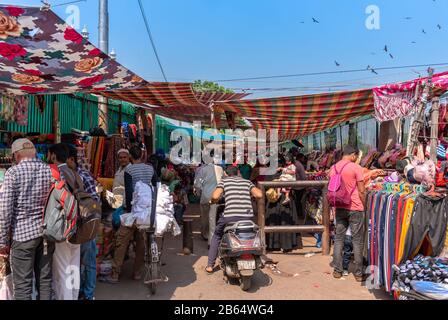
127,220
116,221
6,291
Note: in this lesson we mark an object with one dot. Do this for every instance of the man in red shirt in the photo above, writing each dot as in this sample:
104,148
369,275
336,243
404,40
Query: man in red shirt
351,216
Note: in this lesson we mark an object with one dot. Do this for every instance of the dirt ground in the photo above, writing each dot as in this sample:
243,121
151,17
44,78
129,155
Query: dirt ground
302,277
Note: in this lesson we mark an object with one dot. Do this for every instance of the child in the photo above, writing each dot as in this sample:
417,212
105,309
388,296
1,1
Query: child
288,174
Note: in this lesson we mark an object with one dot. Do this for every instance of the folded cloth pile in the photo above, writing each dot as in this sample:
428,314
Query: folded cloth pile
422,268
142,203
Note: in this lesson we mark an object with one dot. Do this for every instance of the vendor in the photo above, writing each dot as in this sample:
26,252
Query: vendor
119,197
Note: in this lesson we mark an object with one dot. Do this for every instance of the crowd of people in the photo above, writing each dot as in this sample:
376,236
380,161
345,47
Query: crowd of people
49,270
66,271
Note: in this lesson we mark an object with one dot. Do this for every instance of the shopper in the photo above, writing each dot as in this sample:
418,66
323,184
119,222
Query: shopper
206,181
134,173
238,206
22,201
67,256
119,198
351,216
88,250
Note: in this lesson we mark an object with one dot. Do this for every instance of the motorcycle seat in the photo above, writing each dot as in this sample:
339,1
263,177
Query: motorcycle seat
241,225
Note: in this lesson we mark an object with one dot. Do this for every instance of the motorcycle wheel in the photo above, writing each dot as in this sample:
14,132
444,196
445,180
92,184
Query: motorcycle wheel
245,283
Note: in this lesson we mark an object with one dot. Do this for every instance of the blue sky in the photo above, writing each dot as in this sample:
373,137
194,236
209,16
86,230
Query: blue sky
227,39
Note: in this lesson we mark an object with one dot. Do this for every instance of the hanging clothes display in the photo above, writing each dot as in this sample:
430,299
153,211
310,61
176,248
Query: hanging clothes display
399,218
21,110
7,108
114,144
95,154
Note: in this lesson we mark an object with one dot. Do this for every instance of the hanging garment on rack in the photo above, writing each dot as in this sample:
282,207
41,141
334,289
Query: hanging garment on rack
429,220
384,211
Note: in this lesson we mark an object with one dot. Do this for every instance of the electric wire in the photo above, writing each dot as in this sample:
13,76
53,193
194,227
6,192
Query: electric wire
331,72
148,29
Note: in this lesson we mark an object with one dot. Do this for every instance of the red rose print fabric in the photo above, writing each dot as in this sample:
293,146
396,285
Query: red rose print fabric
40,54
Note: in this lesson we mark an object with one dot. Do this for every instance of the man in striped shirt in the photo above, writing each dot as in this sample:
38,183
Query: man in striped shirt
134,173
237,192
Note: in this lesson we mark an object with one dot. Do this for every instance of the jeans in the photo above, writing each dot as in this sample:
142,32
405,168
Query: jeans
29,260
348,249
318,237
355,221
88,270
217,237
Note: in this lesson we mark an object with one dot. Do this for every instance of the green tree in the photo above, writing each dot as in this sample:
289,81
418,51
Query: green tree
209,86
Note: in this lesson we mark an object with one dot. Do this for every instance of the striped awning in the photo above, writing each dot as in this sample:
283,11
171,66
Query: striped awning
208,98
300,116
173,100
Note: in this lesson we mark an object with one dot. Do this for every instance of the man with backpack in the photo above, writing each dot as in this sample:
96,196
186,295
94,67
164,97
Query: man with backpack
88,249
22,200
66,261
347,193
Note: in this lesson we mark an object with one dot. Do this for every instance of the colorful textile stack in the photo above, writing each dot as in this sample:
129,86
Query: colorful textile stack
113,145
95,150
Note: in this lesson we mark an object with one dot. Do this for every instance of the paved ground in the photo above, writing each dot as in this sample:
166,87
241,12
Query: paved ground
188,281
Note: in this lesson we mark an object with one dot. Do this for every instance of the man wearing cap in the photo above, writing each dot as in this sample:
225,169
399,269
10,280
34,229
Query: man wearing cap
22,201
118,187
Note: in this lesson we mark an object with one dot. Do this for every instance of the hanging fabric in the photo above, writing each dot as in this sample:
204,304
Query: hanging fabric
21,110
39,103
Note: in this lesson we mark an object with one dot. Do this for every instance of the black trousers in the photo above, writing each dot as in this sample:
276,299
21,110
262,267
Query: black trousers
429,219
29,261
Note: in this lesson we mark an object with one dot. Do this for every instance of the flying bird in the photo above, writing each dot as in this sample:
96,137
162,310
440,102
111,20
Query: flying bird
439,26
413,42
373,70
385,48
423,30
390,54
336,63
314,20
302,21
368,67
408,18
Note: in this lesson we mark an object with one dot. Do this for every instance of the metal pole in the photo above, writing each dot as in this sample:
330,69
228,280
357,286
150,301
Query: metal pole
262,216
103,31
434,127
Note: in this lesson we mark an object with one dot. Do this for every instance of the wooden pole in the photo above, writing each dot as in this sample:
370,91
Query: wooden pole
326,223
434,128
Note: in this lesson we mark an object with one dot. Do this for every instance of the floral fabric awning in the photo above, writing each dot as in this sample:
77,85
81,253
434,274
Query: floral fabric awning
396,100
300,116
40,54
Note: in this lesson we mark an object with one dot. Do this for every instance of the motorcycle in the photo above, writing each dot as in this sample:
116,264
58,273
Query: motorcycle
240,252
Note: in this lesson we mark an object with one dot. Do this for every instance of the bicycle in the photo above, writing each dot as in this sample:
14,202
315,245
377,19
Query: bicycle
153,264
